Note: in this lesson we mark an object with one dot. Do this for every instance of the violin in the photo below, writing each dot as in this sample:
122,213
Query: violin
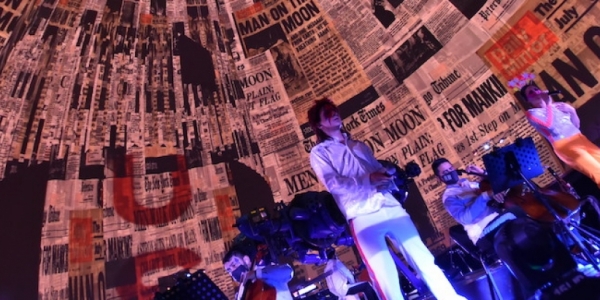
562,202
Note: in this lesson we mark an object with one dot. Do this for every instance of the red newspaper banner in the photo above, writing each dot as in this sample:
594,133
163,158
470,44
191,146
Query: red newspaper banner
80,240
526,42
128,208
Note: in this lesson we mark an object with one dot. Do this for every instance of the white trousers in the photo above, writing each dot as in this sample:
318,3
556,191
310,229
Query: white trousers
369,232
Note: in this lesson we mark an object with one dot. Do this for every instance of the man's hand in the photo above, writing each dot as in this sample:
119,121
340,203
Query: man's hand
475,169
497,197
381,181
390,170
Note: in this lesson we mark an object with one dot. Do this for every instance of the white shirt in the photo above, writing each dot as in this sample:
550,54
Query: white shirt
345,171
277,276
552,123
468,206
338,282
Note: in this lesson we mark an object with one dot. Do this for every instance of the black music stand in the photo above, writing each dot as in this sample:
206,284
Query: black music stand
194,286
518,163
512,165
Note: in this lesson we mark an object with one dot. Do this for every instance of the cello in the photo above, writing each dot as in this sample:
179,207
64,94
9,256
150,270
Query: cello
254,288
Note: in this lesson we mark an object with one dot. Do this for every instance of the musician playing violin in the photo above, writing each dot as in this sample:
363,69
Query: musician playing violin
493,231
466,202
240,266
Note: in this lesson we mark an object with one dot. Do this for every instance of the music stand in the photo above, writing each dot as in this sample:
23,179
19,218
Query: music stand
518,163
196,286
510,166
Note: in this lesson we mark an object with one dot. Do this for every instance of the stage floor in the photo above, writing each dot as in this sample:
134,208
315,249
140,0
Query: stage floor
581,284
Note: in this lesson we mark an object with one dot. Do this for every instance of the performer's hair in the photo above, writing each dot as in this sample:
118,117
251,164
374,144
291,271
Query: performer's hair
522,91
521,83
314,118
436,164
235,251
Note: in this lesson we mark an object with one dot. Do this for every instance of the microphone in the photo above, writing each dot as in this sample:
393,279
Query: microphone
554,93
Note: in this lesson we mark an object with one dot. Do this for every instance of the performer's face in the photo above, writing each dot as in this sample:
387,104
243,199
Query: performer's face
235,263
330,118
445,169
535,96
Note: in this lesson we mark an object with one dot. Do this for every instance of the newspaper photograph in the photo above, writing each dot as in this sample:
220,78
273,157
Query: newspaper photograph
412,53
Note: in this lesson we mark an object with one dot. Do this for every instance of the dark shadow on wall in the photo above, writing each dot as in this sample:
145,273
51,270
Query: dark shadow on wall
21,209
421,216
251,188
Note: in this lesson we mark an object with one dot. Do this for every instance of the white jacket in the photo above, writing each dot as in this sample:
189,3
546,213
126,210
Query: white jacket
345,171
468,206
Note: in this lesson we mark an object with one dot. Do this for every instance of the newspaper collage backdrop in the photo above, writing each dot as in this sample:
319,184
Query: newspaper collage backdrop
141,106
